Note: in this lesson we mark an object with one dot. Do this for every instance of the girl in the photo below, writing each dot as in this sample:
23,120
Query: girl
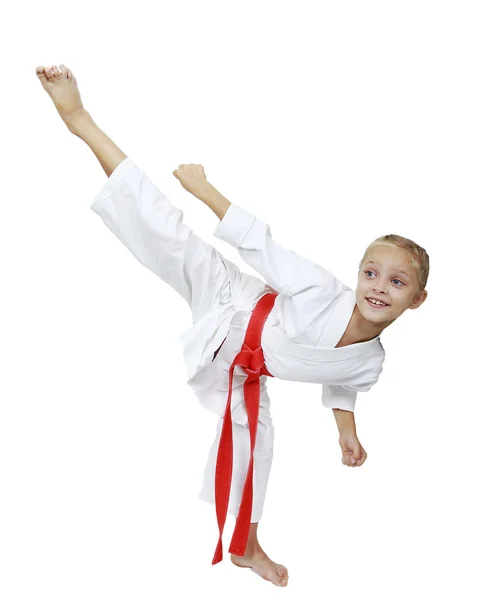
303,324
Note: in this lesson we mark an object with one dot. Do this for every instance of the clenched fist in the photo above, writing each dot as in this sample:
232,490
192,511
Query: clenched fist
353,454
192,178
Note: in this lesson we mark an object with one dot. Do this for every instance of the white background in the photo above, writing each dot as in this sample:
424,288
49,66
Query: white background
335,122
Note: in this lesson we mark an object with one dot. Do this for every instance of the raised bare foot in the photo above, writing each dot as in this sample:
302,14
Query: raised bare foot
260,564
61,85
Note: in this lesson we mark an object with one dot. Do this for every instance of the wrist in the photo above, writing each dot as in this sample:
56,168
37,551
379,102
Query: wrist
347,431
208,194
345,421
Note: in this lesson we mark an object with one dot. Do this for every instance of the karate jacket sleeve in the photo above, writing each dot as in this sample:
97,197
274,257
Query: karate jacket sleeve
344,396
285,271
335,396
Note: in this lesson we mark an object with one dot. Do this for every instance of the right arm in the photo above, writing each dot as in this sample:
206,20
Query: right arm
192,177
214,200
284,270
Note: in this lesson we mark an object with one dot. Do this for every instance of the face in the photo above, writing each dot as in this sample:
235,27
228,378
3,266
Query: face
387,274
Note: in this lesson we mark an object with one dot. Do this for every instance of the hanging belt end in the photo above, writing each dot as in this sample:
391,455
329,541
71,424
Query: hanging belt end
237,550
218,557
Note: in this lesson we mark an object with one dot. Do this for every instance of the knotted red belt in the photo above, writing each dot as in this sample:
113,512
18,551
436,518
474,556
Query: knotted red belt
251,359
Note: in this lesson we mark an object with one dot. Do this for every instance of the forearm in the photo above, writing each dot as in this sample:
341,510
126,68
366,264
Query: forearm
214,200
106,151
345,420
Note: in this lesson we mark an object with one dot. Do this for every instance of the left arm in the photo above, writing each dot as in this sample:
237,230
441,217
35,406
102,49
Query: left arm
342,403
345,421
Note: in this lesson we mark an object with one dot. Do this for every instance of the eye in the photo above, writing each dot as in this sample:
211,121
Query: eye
401,282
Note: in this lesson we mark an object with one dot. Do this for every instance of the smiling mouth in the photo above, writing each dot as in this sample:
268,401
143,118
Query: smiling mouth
376,305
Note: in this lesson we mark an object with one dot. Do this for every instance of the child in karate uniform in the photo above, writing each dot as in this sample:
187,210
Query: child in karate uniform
318,331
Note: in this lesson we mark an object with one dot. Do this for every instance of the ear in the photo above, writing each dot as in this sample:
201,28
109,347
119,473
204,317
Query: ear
419,299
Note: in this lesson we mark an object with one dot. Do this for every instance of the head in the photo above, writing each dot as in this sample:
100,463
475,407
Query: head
393,269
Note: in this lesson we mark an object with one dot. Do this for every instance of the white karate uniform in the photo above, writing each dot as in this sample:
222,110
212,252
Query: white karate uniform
310,315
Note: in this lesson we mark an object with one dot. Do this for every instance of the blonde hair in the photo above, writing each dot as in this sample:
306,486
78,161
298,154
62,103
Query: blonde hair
418,255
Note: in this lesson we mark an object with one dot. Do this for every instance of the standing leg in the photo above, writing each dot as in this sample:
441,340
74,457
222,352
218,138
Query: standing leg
254,556
256,559
262,455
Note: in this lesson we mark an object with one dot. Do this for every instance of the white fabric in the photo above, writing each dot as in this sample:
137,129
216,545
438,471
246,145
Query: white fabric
310,314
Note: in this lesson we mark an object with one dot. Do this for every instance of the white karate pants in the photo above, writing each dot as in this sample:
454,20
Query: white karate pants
148,224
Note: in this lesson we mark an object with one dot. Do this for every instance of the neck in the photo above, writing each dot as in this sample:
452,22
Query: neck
361,329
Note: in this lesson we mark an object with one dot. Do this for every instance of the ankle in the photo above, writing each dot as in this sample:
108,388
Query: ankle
79,122
253,550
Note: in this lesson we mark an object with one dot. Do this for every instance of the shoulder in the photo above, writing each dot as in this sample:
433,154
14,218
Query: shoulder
374,358
377,362
380,353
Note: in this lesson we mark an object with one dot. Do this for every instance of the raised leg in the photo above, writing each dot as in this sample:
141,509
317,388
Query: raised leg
106,151
148,224
61,85
140,215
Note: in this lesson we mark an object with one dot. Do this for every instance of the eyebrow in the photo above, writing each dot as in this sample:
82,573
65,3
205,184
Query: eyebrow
371,262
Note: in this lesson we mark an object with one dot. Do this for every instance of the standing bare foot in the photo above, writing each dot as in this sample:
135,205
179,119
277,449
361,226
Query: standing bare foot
260,564
62,88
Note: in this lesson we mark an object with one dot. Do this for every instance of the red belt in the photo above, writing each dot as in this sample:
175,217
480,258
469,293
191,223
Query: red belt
251,359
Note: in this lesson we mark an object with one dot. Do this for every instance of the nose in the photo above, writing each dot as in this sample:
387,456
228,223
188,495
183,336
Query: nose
380,291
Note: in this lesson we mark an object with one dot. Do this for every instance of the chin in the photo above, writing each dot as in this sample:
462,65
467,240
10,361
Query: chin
374,315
